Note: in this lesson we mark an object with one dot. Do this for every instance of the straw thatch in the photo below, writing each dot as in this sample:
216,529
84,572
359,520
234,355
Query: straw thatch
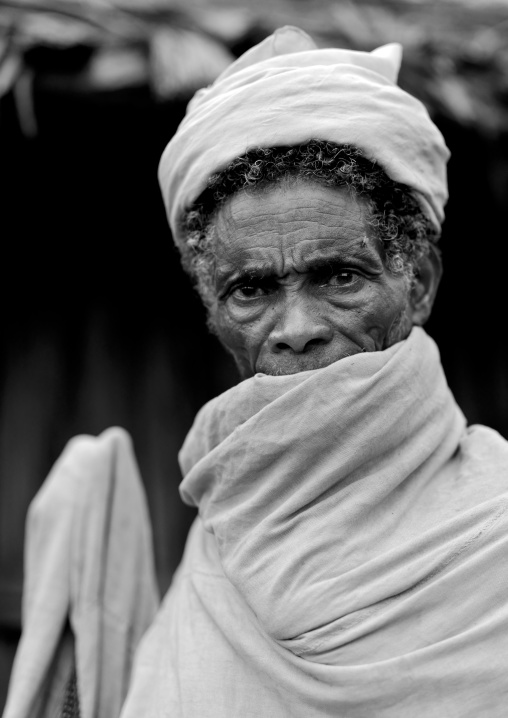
78,46
456,51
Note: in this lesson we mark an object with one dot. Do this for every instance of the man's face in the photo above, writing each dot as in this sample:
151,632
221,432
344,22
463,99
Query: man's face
300,280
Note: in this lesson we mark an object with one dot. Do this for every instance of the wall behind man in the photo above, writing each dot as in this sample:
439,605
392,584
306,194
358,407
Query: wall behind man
99,326
469,316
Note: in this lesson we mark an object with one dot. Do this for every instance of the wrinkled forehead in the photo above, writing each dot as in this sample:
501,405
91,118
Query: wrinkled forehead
294,205
294,224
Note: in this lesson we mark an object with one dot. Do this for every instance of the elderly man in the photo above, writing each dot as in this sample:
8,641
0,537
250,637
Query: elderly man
348,559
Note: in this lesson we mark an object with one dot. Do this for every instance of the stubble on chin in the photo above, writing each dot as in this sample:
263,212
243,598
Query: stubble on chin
284,365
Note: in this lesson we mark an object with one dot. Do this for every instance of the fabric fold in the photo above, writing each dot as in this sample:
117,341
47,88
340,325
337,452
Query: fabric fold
90,590
305,494
346,556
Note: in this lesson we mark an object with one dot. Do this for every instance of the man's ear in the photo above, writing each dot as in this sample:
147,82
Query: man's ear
425,284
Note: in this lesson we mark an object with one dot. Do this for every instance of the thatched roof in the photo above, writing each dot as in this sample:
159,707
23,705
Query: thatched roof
455,51
96,46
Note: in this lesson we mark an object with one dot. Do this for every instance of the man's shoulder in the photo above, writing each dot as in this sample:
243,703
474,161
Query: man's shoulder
485,460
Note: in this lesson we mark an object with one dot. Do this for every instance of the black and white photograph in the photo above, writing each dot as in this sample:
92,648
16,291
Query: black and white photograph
254,359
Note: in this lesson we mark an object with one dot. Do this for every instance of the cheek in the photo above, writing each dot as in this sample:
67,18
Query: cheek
388,311
242,339
373,313
389,303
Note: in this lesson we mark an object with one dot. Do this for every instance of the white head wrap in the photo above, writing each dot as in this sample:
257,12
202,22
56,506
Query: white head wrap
285,91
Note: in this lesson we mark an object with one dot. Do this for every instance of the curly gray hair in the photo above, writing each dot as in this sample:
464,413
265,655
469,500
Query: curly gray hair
395,214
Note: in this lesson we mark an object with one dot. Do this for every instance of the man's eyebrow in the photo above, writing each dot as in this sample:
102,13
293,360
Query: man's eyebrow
343,258
255,272
265,272
336,262
326,263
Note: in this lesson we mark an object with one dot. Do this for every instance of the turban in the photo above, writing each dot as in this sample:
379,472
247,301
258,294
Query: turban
286,91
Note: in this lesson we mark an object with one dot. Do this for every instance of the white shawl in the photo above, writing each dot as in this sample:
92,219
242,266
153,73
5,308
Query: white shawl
350,554
88,562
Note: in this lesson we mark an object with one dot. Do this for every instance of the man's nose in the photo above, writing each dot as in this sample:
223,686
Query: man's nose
299,329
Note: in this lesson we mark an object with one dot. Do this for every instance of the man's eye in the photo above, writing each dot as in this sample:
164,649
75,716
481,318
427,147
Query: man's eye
248,291
344,278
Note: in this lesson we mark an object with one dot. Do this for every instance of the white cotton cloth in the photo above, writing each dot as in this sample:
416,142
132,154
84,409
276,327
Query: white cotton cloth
349,558
285,91
89,561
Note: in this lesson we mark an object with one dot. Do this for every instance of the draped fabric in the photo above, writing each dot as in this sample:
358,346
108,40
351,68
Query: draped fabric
286,91
349,554
90,590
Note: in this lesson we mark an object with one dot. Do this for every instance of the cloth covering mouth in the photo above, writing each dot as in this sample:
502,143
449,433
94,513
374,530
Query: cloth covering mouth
305,481
348,558
286,91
